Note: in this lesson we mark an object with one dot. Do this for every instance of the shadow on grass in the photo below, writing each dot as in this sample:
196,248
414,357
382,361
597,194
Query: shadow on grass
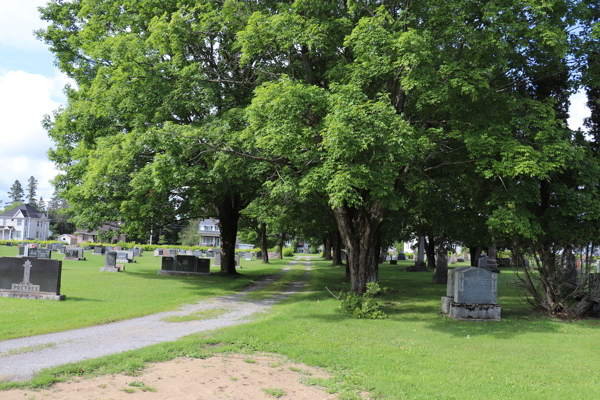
72,298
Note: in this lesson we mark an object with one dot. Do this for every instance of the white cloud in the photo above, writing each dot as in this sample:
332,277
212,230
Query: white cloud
578,110
18,20
25,99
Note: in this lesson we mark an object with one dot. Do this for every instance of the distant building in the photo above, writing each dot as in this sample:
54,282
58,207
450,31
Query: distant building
68,239
211,235
24,222
85,236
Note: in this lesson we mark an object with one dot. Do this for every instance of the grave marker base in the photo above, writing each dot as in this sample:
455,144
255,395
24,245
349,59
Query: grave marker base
74,259
109,269
31,295
475,312
182,273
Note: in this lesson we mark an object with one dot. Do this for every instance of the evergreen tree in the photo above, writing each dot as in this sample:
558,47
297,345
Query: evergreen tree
16,193
32,185
41,204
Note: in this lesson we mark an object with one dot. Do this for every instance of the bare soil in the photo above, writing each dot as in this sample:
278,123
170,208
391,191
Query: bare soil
229,376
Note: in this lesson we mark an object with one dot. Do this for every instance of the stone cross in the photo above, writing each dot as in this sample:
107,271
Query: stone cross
26,272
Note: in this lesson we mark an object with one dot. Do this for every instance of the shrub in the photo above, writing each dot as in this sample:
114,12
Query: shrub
288,252
364,306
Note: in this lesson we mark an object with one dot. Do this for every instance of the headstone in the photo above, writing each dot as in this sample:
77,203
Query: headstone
136,251
167,263
9,243
474,294
483,260
210,254
30,278
197,253
117,248
475,286
45,254
189,253
74,253
185,263
31,252
248,256
110,262
401,256
203,265
453,259
172,252
237,260
460,259
273,256
218,260
158,252
122,257
99,250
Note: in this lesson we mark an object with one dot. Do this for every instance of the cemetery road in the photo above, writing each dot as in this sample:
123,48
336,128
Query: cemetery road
21,358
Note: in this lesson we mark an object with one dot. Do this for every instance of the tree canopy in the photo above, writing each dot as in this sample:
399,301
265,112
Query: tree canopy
188,109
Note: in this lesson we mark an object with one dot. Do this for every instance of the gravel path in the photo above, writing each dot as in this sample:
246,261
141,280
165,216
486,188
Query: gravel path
21,358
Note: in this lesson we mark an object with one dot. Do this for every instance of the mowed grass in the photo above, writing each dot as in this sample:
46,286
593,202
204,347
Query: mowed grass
95,297
413,354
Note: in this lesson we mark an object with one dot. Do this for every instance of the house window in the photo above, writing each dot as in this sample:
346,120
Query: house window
37,235
19,222
208,228
18,235
217,241
25,222
4,221
207,240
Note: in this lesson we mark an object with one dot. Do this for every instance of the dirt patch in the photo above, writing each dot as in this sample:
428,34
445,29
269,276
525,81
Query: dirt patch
229,376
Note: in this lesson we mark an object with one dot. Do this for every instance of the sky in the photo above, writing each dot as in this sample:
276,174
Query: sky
31,87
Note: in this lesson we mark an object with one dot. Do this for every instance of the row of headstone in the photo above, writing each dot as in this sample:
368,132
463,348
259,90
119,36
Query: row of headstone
30,278
471,294
74,254
184,264
27,251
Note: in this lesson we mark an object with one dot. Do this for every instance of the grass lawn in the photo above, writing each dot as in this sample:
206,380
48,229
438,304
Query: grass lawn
95,297
413,354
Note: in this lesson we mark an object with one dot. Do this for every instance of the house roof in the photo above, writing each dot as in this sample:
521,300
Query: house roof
7,227
105,227
26,210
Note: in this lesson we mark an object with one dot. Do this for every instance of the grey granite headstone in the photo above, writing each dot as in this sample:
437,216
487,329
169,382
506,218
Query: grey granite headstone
74,253
248,257
44,254
122,257
218,259
110,262
237,259
483,261
475,286
210,254
172,252
99,250
189,253
30,278
136,251
197,253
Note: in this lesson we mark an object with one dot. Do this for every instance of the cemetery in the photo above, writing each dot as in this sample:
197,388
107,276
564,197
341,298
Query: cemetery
403,195
414,325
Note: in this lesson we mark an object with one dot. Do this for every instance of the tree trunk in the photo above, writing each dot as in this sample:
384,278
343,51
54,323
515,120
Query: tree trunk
440,277
430,250
281,243
475,252
336,242
228,210
359,229
263,243
327,246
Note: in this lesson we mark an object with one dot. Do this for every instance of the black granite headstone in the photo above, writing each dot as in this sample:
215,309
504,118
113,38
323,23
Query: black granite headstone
167,263
203,265
32,252
160,252
186,263
9,243
30,275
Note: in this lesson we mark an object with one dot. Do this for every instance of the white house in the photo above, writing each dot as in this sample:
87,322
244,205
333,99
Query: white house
68,239
24,222
211,234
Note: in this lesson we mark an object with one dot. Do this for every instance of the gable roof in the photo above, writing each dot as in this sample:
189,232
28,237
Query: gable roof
27,211
105,227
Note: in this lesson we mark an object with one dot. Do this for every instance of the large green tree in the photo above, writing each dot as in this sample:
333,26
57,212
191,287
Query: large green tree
32,185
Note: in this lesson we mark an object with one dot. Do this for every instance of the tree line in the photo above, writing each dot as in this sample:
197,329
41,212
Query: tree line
361,122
